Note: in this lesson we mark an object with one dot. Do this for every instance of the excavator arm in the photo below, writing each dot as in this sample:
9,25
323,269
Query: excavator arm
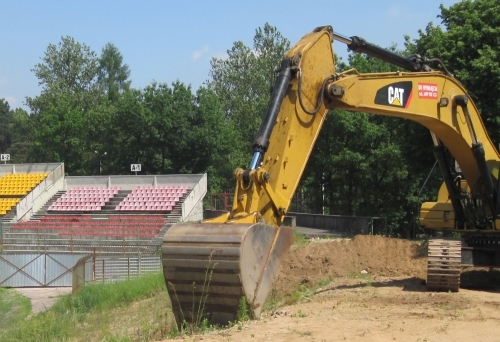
210,266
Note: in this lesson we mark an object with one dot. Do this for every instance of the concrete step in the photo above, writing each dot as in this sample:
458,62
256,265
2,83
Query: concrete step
50,238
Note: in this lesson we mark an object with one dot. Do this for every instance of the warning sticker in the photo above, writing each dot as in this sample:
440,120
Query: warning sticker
427,90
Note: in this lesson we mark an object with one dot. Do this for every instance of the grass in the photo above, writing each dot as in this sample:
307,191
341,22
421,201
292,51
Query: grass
14,308
367,278
299,238
98,312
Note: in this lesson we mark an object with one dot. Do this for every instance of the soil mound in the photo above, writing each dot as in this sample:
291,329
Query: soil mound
379,256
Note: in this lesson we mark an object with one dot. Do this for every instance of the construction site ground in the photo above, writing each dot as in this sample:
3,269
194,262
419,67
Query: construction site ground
368,288
372,289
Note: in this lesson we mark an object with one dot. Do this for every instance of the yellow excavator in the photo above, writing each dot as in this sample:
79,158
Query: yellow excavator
212,266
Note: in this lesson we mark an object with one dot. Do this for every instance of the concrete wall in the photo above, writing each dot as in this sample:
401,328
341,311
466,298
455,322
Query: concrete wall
47,188
192,207
345,225
129,182
342,225
28,168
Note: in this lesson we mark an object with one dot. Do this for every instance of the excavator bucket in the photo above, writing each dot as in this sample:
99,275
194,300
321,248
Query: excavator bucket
209,268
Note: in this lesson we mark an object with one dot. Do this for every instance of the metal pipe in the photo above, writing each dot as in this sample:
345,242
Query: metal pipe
360,45
255,160
261,142
341,38
453,191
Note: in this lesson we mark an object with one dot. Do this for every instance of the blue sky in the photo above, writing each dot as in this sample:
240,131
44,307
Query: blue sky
165,41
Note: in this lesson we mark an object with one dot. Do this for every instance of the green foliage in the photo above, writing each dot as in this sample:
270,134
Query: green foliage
242,82
299,239
301,314
68,70
113,74
243,314
325,281
60,321
370,165
106,296
14,308
469,47
5,131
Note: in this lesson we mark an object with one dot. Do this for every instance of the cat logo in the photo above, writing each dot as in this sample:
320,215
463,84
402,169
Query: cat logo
395,94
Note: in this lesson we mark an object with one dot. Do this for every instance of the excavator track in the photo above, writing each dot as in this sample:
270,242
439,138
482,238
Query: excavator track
210,268
443,265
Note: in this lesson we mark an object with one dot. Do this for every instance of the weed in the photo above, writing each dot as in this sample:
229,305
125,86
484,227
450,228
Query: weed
326,281
366,277
272,302
242,315
301,314
199,322
300,238
303,293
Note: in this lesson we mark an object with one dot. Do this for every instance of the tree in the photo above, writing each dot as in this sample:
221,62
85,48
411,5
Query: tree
470,48
61,137
5,127
212,148
113,74
242,82
68,75
23,132
68,71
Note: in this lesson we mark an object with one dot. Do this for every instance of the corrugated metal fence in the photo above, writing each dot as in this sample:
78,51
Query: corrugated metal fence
93,268
52,269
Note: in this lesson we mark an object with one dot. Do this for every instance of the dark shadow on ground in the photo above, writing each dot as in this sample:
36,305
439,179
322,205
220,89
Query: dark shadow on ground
413,284
481,279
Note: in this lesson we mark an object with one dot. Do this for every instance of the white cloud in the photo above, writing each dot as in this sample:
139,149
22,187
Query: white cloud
394,11
197,54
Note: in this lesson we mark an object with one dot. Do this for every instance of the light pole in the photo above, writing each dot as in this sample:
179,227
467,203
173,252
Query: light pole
100,159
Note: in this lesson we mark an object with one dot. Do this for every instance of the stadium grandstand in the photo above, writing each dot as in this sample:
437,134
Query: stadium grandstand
44,211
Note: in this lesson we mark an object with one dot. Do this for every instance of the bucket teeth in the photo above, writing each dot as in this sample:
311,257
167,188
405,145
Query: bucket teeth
209,268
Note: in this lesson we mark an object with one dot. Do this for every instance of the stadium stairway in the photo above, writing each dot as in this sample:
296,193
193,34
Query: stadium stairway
50,241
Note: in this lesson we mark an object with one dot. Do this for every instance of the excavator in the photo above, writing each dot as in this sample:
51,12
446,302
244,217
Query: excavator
214,268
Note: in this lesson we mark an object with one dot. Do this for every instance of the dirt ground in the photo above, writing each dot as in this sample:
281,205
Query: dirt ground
374,290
